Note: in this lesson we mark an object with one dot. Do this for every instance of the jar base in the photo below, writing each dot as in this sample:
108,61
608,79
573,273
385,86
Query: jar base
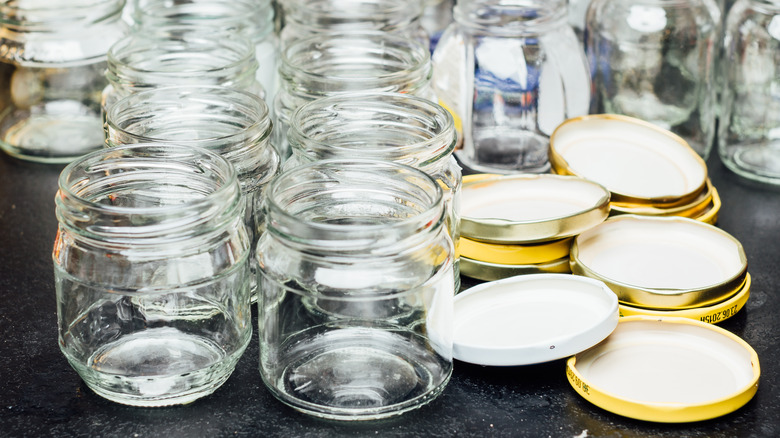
506,151
757,162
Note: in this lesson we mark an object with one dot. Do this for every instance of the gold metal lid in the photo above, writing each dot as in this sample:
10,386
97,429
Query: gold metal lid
638,162
495,271
530,208
692,209
661,263
514,254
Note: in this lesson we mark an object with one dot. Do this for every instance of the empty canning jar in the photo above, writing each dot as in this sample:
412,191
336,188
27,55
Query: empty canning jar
179,56
749,130
655,60
230,122
253,19
510,71
437,15
303,18
384,126
356,284
52,64
151,272
338,63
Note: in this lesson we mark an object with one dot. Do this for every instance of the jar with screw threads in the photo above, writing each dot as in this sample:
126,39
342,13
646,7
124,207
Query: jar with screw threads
52,63
356,283
151,272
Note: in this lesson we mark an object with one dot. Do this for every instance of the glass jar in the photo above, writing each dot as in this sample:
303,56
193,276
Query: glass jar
437,15
254,19
320,66
52,63
749,130
654,60
383,126
356,284
151,272
304,18
510,71
178,56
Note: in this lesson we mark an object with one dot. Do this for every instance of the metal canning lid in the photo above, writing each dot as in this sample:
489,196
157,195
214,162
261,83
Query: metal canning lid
710,215
692,209
514,254
670,370
661,263
712,314
530,208
531,318
638,162
495,271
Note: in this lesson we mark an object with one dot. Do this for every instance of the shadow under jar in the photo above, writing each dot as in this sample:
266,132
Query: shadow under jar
383,126
151,272
356,284
52,63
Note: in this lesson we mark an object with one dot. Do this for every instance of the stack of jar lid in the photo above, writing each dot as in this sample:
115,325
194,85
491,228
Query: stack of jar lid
523,224
648,170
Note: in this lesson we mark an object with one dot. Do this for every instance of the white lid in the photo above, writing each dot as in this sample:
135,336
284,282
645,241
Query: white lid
531,319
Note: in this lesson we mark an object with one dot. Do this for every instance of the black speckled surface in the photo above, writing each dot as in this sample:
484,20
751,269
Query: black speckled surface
42,396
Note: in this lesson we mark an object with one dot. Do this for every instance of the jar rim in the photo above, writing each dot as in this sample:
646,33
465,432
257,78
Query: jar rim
511,17
40,16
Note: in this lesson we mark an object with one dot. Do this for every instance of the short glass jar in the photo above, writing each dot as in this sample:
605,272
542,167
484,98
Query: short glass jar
151,272
179,56
655,60
337,63
356,284
510,71
253,19
304,18
232,123
52,64
382,126
749,129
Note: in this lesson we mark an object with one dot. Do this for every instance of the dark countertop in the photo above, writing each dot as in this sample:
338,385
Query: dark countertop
42,396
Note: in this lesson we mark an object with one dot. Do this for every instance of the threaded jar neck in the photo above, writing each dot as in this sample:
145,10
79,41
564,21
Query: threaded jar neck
47,16
511,17
385,126
178,56
334,15
148,197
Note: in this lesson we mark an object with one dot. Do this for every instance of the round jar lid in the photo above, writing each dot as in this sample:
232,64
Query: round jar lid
691,209
638,162
530,208
661,263
714,313
531,319
668,370
486,271
514,254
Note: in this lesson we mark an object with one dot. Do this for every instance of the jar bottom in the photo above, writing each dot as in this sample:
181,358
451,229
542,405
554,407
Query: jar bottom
500,150
359,373
157,367
758,162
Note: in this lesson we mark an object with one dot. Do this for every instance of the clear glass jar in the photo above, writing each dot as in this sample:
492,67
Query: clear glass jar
52,63
383,126
178,56
356,284
510,71
749,129
654,60
304,18
320,66
151,272
437,15
254,19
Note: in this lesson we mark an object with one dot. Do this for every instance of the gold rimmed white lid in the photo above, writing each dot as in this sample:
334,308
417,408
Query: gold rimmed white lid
487,271
691,209
661,263
530,208
669,370
638,162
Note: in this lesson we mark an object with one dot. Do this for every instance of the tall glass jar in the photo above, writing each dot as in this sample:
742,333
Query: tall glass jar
303,18
356,284
337,63
384,126
233,123
52,63
655,60
437,16
151,272
749,130
510,71
254,19
179,56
